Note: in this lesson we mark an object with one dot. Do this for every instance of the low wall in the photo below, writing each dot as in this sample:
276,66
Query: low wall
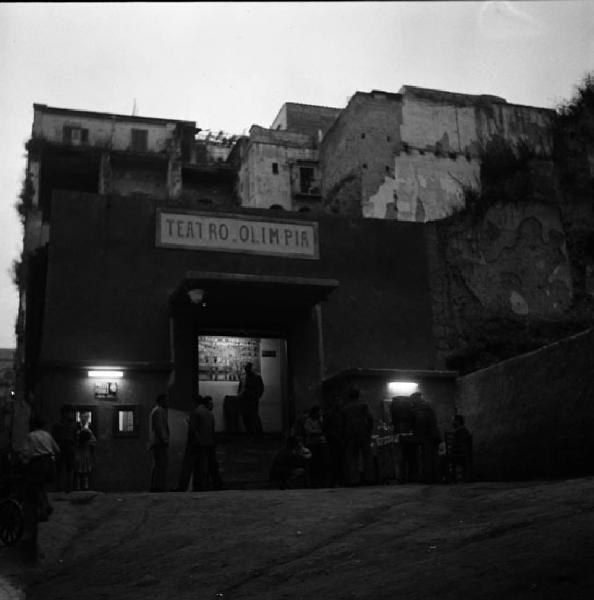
533,416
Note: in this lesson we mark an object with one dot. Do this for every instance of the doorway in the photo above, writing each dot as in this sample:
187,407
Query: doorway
221,361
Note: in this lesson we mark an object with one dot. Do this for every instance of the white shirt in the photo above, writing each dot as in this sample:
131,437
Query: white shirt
38,443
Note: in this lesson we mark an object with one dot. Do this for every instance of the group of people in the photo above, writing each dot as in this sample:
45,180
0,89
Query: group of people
334,448
63,457
327,449
76,440
200,459
421,454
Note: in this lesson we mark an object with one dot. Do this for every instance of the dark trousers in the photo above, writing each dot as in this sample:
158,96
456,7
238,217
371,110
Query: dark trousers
159,470
356,452
250,416
335,466
205,468
186,471
65,471
36,506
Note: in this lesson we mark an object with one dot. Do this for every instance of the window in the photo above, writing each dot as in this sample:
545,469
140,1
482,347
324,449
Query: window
275,168
126,421
306,178
139,140
86,416
75,135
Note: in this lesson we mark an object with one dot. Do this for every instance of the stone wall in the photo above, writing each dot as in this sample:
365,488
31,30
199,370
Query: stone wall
533,416
265,175
415,153
305,118
360,145
425,187
501,284
104,130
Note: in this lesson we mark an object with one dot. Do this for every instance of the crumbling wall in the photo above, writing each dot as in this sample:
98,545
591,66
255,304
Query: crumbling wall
425,187
126,180
501,284
266,179
362,143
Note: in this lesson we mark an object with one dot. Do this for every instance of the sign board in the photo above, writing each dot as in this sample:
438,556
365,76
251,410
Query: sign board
230,233
106,390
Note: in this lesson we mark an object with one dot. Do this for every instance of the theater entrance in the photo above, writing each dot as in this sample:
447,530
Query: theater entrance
221,371
222,321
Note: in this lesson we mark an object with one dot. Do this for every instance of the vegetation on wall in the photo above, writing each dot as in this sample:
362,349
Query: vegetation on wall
25,202
579,109
506,175
516,174
574,137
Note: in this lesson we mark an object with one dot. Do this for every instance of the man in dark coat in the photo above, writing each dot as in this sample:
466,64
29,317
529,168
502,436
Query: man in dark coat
202,437
159,444
357,422
65,432
427,435
251,388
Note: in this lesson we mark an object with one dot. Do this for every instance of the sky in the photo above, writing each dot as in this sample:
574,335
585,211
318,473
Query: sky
230,65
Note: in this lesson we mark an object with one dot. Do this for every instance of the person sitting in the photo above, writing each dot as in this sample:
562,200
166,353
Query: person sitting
290,469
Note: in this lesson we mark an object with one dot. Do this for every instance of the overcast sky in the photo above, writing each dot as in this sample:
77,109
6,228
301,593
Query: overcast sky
228,66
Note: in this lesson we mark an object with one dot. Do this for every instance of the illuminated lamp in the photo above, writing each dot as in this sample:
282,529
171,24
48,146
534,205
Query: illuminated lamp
196,296
402,388
105,374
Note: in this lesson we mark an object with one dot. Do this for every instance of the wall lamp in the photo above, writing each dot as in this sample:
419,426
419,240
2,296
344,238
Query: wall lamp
402,388
105,374
196,295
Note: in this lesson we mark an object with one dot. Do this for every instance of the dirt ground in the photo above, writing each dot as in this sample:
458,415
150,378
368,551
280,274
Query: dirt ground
479,540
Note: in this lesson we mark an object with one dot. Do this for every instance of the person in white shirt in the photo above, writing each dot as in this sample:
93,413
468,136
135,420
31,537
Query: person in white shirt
38,457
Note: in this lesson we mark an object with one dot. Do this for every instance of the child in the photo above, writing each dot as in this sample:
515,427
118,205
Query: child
84,458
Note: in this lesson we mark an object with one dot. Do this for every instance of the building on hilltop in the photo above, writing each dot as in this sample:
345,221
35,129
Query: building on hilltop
409,156
279,165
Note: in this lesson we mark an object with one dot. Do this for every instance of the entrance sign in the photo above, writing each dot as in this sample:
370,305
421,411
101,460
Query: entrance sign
231,233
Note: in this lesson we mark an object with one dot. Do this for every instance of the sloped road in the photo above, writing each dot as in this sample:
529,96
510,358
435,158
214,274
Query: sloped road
481,540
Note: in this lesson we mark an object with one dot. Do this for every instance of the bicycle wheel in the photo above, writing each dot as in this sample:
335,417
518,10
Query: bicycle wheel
11,521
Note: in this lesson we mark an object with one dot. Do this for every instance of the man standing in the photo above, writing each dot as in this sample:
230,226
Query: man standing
426,432
159,444
65,432
38,455
251,388
357,428
202,435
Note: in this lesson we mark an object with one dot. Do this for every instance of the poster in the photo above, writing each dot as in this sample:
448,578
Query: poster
222,358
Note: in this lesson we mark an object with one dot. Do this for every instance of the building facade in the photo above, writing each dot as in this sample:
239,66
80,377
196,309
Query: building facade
158,261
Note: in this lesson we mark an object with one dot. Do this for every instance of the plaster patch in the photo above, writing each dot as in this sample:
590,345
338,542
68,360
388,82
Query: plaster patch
377,204
518,304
